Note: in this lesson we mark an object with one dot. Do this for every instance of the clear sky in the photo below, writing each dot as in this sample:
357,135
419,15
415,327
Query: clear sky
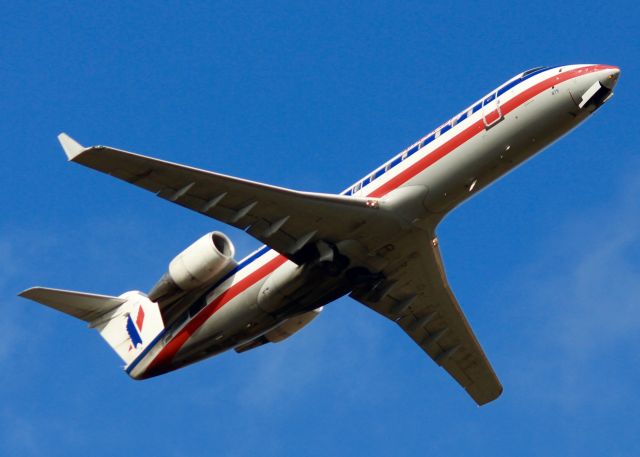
312,95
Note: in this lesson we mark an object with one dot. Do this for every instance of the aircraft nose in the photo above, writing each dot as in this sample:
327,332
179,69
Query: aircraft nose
610,77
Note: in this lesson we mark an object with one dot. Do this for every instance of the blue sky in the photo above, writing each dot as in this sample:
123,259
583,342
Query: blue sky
312,95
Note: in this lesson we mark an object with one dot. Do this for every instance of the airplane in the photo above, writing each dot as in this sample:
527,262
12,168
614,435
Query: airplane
375,241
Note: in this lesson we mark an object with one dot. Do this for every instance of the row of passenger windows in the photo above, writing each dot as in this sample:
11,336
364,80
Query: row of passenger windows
416,147
442,130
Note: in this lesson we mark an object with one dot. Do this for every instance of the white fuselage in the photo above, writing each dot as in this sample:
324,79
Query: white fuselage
441,170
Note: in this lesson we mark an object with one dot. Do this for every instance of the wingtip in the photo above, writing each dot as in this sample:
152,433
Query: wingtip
487,396
28,293
71,147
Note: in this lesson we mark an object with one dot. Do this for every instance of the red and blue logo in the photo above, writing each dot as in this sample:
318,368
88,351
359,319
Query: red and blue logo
134,328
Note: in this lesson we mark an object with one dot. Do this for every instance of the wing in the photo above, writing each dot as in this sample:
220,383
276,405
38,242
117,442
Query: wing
416,295
284,219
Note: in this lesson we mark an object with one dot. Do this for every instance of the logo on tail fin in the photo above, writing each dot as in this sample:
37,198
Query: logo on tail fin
135,328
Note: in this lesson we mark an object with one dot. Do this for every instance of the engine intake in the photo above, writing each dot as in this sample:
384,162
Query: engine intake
203,262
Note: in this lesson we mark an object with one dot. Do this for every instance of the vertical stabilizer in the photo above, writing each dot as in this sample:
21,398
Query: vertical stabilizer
128,323
132,326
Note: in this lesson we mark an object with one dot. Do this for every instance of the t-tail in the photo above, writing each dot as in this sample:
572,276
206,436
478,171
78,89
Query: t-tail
128,323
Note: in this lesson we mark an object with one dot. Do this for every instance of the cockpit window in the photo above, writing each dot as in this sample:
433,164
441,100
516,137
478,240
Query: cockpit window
533,70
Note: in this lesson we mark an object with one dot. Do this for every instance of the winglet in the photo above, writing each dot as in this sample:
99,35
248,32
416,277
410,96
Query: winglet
71,147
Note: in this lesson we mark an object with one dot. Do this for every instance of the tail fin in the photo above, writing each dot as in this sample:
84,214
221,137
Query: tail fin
128,323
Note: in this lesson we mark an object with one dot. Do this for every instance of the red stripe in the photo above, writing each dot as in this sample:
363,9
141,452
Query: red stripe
162,361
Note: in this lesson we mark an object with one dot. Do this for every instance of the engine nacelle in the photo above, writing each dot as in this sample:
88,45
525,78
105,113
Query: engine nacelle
291,326
203,262
279,284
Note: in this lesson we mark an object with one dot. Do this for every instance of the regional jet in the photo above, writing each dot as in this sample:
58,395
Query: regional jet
375,241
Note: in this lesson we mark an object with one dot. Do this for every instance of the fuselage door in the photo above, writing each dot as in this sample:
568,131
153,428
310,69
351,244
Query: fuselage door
491,111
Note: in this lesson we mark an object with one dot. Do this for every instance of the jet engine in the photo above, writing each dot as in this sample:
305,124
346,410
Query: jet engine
203,262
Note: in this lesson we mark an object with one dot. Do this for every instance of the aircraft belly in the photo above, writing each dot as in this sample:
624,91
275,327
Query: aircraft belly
242,319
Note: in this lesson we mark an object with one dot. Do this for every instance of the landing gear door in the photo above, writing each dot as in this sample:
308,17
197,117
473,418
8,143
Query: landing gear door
491,110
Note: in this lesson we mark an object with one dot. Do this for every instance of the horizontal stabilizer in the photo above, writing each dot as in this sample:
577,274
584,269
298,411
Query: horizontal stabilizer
82,305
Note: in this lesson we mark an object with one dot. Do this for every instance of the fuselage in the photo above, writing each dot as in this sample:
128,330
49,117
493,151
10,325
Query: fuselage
441,170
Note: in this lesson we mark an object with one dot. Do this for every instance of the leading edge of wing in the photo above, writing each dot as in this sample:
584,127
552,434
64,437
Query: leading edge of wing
75,152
